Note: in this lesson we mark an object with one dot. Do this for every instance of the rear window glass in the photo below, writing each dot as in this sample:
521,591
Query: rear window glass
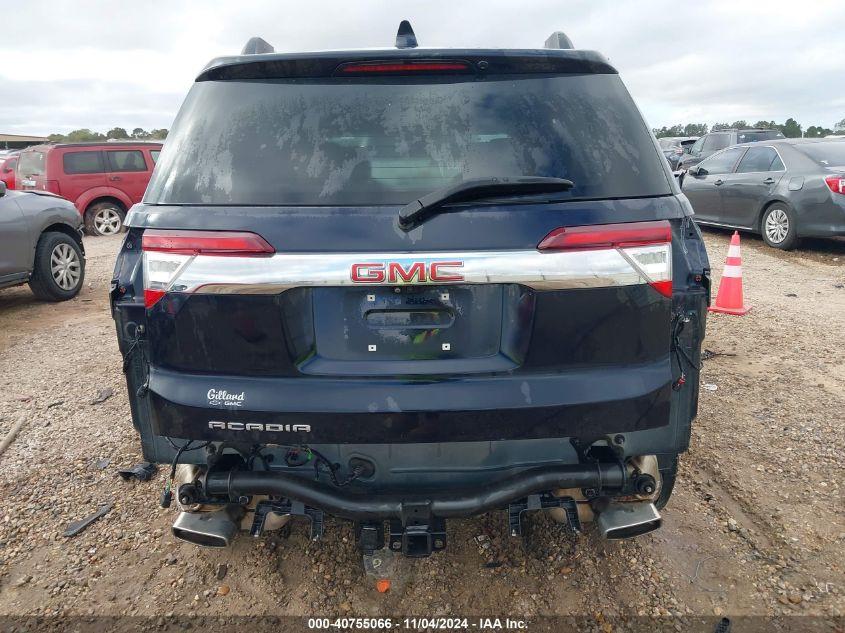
324,142
753,137
31,164
830,154
154,154
714,142
758,159
82,162
126,160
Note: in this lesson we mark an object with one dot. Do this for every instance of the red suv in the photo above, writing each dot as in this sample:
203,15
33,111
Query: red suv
102,179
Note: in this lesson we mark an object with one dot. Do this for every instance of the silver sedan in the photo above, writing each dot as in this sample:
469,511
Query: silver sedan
40,244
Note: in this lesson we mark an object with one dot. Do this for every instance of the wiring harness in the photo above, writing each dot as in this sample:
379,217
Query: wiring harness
681,356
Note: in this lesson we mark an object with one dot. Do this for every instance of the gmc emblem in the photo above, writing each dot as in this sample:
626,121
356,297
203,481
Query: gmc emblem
413,272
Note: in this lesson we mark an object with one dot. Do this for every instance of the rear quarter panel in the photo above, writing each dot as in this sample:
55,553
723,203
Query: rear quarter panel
819,211
87,196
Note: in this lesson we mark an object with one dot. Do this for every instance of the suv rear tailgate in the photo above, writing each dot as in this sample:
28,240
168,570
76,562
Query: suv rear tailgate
568,344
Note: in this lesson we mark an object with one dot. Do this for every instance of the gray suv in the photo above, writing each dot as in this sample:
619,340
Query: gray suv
718,140
40,244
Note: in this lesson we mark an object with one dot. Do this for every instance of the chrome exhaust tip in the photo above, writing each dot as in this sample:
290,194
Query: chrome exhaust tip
626,520
207,529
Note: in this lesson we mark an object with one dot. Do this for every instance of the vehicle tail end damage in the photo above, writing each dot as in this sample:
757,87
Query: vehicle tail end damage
500,313
218,503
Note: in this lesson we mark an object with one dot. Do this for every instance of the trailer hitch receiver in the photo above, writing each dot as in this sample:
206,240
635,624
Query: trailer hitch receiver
417,533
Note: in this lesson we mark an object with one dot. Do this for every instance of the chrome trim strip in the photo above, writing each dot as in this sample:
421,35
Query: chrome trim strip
537,269
720,224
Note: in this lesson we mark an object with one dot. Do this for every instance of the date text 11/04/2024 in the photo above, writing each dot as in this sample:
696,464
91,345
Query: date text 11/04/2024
418,624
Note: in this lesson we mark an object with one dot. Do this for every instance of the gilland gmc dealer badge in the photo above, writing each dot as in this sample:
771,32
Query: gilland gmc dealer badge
223,398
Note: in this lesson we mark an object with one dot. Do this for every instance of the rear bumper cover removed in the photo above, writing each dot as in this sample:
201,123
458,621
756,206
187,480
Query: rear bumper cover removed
418,521
601,477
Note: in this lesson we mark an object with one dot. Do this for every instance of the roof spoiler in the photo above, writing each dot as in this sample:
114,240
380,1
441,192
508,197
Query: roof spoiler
558,40
257,46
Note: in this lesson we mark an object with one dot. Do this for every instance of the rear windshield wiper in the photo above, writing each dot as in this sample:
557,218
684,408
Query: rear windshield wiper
418,211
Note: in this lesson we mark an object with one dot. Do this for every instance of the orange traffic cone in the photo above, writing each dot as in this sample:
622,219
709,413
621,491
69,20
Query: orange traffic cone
729,300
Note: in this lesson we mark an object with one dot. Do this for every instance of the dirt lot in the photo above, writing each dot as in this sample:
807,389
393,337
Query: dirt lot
756,525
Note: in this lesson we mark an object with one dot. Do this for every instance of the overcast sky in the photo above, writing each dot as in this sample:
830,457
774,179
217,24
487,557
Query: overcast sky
101,63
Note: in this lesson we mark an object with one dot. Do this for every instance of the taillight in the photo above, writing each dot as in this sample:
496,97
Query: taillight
608,236
230,243
836,184
402,68
53,187
646,246
167,253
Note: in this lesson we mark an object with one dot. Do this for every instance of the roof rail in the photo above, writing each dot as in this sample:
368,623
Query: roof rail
558,40
257,46
405,37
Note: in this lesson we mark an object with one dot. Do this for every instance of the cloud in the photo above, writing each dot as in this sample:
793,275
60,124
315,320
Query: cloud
94,63
62,106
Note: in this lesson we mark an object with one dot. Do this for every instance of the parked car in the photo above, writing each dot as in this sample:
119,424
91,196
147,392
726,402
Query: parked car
713,142
673,148
40,244
103,180
783,190
8,162
346,292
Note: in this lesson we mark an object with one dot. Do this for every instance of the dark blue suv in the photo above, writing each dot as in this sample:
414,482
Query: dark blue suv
401,286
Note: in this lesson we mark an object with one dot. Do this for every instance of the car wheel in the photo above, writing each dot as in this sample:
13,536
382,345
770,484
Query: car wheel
778,227
668,474
59,268
104,218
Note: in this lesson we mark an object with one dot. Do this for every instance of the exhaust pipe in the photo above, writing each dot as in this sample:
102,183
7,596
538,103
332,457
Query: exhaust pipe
627,520
208,529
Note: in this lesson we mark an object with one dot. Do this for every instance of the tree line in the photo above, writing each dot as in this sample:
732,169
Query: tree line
790,128
85,135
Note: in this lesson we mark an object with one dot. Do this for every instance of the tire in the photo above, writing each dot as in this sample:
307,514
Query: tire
59,268
668,466
104,218
777,226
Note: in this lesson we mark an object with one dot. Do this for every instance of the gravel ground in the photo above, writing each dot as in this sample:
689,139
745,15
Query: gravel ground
756,525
